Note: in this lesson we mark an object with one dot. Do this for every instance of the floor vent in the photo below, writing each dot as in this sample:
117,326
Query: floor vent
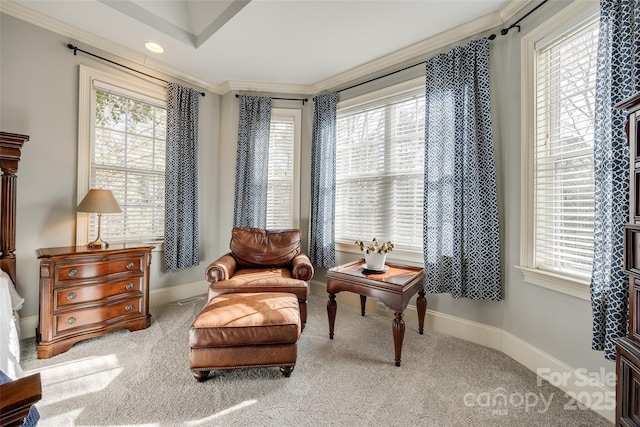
190,300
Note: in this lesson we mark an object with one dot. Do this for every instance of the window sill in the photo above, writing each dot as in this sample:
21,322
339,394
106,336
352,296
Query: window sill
557,282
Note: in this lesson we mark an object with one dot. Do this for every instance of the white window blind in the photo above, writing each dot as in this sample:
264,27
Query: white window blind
128,158
280,196
379,171
563,184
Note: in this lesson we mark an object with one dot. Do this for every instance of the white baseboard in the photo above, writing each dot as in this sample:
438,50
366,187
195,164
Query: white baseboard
156,297
579,384
176,293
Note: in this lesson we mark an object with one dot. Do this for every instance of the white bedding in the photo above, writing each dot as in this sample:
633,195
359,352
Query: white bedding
10,303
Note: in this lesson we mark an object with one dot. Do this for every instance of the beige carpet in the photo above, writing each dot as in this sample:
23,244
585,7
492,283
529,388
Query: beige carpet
143,379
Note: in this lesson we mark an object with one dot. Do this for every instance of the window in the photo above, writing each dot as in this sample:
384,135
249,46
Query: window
563,188
122,147
283,182
379,168
558,229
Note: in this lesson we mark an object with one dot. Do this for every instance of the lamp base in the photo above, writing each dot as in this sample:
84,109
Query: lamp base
98,244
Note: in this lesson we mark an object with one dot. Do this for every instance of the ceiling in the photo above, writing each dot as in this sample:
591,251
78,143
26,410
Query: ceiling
291,45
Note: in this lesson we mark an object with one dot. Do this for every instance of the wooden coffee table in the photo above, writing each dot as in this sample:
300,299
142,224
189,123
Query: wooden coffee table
393,288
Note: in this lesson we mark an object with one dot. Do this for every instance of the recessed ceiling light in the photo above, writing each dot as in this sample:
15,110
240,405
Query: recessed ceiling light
154,47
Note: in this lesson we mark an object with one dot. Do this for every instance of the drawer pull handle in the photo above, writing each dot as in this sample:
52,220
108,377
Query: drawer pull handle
73,272
129,265
104,259
71,320
72,295
128,307
129,286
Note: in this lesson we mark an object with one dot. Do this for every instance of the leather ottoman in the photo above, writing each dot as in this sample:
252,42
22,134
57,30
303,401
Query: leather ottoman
245,330
264,280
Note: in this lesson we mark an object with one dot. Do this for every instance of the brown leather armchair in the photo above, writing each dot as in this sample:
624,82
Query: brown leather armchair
263,261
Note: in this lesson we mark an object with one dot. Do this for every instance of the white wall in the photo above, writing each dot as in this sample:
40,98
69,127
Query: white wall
39,98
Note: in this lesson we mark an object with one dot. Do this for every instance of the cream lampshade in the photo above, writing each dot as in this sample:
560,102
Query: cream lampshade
99,201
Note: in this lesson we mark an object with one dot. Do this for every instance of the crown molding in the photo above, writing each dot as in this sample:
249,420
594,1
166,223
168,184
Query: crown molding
23,13
511,8
283,88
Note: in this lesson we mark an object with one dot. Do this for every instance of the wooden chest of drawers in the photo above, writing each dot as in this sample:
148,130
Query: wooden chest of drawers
628,347
85,293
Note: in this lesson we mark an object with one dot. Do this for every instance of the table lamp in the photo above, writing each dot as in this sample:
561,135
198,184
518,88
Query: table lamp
99,201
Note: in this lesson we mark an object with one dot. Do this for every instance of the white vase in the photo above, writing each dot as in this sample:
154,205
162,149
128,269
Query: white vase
375,260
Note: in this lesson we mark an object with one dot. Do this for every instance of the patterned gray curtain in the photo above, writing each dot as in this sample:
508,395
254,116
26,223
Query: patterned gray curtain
323,181
617,77
461,227
181,246
252,162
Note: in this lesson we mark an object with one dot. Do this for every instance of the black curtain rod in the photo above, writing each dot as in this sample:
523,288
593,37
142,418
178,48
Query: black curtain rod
503,32
285,99
76,49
